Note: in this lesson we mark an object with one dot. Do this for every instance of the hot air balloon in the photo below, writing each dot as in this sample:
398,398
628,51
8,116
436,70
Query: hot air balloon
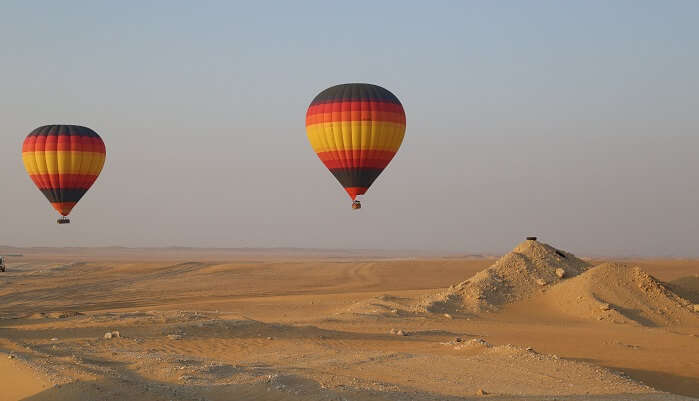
355,129
63,161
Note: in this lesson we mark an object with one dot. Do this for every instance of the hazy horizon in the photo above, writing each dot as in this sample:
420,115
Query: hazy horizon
575,122
311,252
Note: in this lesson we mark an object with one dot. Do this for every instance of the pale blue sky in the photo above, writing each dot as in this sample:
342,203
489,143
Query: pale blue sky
575,121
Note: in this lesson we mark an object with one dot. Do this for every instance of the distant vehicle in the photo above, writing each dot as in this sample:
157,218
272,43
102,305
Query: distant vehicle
2,264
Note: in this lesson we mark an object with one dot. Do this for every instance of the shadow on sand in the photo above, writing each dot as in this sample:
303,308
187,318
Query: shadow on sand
675,384
280,388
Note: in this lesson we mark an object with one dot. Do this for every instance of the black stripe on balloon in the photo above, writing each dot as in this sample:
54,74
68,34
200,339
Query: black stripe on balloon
63,194
64,130
355,92
356,177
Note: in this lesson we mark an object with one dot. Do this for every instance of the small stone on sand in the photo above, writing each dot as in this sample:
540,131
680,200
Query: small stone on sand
560,273
481,392
107,336
479,341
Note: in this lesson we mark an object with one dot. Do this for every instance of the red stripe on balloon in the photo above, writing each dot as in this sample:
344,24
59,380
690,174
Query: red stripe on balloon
338,106
63,143
58,181
354,191
63,208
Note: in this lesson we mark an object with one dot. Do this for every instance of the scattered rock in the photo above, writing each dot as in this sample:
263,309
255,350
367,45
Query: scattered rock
478,342
540,281
632,346
458,339
116,334
269,338
394,331
401,333
696,308
605,307
481,392
65,315
174,336
448,316
54,339
107,336
560,273
11,356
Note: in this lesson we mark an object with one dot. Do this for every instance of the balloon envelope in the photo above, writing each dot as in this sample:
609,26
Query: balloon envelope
355,129
63,161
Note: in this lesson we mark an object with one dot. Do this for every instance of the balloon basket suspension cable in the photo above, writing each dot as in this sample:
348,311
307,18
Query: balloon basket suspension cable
356,205
63,220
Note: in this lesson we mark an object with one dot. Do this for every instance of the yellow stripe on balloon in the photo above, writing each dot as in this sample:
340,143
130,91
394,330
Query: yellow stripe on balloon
354,135
63,162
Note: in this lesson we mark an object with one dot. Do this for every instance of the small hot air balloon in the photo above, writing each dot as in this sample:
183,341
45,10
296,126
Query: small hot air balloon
355,129
63,161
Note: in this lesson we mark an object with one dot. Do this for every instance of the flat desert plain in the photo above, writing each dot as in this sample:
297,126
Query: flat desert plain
537,323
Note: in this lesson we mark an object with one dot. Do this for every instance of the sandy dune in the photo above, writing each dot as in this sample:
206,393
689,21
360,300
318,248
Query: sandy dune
623,294
244,325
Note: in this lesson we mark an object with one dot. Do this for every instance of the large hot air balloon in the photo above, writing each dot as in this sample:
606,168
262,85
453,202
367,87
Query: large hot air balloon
355,129
63,161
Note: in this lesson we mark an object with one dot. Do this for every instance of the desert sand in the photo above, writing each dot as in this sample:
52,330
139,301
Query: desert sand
538,323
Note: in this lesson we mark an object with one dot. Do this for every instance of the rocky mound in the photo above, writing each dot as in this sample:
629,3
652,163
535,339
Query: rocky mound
519,274
622,294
